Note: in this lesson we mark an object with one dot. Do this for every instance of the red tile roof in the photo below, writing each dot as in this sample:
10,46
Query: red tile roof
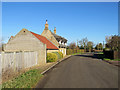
49,45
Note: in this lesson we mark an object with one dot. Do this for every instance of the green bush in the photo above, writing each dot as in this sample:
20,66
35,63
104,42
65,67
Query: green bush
58,55
51,57
69,51
61,54
73,51
54,56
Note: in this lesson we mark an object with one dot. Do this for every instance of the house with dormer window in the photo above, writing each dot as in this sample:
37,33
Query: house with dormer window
57,40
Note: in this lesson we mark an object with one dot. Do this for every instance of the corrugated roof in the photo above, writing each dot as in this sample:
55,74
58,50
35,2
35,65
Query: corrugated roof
49,45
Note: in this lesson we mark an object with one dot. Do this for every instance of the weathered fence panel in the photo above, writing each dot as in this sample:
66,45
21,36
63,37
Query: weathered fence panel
19,61
13,62
7,61
0,69
30,59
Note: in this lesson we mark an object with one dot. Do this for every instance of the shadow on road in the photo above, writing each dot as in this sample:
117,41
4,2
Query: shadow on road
94,55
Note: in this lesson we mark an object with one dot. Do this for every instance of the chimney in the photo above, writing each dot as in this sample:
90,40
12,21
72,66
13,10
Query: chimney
46,25
55,30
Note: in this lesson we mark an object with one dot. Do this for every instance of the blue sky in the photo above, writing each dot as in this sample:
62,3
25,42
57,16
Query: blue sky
74,20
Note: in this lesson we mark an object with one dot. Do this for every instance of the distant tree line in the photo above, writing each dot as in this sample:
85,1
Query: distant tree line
85,44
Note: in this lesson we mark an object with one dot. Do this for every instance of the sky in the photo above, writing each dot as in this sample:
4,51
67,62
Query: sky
73,20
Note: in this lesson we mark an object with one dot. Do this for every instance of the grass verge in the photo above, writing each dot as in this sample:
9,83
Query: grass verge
76,53
100,53
107,59
25,80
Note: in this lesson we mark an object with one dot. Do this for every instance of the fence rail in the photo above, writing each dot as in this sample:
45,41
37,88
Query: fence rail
13,62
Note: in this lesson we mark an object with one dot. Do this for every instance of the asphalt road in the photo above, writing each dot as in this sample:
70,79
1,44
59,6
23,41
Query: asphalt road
81,71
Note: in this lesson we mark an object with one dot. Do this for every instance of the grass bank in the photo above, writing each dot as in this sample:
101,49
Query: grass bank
25,80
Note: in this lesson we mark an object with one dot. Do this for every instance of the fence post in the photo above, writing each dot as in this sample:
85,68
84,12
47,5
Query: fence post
14,61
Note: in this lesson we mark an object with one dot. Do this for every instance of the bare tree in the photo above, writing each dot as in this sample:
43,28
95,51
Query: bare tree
108,38
83,42
72,45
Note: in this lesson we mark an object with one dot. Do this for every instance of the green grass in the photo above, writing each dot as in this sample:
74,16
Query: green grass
100,53
107,59
25,80
76,53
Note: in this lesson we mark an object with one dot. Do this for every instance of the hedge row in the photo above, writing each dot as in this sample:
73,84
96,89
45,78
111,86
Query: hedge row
54,56
111,54
73,51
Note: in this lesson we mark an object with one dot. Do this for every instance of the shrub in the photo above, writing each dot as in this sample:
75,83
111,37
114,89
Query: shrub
69,51
58,55
73,51
51,57
61,54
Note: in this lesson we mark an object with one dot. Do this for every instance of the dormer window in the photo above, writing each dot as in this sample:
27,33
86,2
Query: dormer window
65,44
60,42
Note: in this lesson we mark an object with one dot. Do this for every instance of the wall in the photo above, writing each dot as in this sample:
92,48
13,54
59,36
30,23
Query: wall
50,51
50,37
116,54
63,50
26,41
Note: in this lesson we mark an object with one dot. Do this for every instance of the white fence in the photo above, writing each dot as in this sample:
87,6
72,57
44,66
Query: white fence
16,61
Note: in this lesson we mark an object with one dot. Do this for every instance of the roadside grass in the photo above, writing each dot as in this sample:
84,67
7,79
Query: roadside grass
76,53
26,80
107,59
100,53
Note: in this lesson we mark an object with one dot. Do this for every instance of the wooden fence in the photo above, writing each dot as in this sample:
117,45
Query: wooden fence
0,69
13,62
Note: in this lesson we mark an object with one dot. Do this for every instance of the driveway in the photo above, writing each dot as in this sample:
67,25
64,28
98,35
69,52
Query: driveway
81,71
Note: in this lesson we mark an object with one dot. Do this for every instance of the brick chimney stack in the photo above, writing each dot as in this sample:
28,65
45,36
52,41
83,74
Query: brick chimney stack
55,30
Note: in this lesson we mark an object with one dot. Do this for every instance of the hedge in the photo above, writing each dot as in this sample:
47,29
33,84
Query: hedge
61,54
54,56
58,55
51,57
73,51
110,54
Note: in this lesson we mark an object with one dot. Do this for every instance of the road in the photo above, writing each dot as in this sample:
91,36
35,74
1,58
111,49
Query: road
81,71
